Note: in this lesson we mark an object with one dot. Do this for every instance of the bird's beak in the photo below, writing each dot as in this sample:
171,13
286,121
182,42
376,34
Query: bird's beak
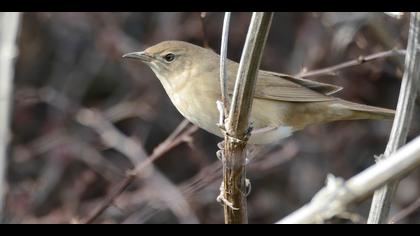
144,57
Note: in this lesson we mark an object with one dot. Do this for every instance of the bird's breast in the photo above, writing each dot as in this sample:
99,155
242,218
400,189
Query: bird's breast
196,101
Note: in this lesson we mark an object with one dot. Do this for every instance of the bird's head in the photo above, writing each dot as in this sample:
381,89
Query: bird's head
169,59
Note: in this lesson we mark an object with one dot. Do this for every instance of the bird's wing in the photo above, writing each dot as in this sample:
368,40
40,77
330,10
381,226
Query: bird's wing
282,87
323,88
275,86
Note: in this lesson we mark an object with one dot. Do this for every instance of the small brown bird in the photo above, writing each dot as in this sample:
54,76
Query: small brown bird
282,103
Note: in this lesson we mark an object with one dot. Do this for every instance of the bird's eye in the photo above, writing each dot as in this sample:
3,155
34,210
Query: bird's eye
169,57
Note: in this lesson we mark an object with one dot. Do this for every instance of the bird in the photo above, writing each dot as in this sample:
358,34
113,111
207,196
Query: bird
282,104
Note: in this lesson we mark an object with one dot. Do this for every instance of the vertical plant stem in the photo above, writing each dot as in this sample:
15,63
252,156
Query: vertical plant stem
382,198
204,29
9,24
237,125
223,56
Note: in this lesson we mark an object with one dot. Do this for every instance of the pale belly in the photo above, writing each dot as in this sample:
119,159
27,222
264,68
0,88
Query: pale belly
268,128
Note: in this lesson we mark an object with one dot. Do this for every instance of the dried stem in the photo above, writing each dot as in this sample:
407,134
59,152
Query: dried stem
237,125
223,56
133,150
204,29
337,195
9,24
332,70
382,198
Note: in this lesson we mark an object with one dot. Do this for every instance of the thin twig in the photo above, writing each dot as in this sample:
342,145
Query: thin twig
204,29
164,147
332,70
405,212
181,127
382,198
130,148
267,158
237,125
9,24
223,56
110,135
158,152
337,195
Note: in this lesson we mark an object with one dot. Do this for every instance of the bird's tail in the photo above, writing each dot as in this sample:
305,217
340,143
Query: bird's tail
356,111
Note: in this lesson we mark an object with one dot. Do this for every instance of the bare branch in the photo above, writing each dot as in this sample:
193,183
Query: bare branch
237,125
382,198
337,195
132,149
332,70
111,136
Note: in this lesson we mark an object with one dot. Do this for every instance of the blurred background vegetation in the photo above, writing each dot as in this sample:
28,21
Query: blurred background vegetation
60,169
